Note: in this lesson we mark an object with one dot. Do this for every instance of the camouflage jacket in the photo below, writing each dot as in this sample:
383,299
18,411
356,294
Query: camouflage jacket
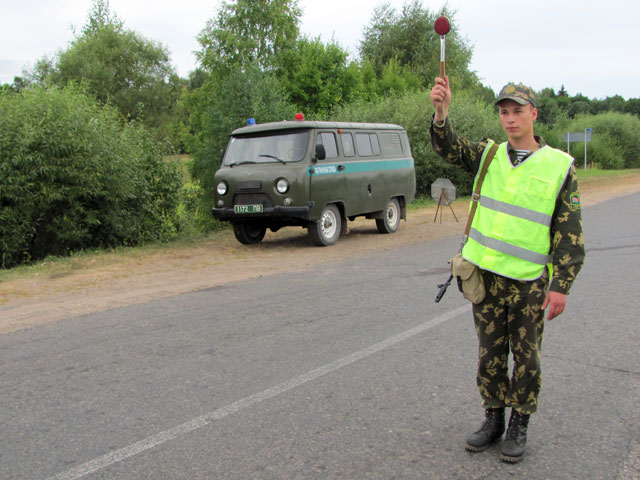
566,230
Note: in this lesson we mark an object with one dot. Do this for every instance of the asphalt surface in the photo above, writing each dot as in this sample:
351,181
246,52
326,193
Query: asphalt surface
345,371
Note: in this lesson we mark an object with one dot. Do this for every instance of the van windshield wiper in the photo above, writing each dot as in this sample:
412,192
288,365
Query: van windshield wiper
272,156
241,163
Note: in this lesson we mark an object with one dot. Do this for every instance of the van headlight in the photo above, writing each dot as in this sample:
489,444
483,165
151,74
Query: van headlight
222,188
282,186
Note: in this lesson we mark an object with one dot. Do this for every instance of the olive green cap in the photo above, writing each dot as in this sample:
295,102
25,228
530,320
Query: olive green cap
517,92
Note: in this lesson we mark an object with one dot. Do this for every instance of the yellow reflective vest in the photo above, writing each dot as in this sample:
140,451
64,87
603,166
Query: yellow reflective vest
511,230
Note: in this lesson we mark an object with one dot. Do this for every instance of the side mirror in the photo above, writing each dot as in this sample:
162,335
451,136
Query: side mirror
221,156
321,153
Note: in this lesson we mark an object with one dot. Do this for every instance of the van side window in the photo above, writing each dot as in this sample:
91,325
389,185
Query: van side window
329,141
347,145
367,144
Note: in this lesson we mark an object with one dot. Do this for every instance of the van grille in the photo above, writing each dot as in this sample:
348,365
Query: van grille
252,199
250,185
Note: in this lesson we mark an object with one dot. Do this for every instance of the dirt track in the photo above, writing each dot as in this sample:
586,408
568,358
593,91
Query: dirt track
88,285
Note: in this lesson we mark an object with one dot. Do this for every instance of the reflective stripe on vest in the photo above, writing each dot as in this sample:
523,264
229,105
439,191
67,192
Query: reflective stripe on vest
510,234
516,211
509,249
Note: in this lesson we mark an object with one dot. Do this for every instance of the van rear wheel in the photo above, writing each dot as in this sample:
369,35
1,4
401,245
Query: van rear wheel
248,234
390,220
326,231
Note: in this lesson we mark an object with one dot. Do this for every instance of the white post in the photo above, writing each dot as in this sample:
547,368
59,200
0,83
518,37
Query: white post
585,148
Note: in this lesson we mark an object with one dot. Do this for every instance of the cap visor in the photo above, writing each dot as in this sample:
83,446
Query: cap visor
519,100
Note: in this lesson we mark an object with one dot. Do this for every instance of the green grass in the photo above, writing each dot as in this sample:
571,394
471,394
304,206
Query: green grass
421,202
598,173
53,266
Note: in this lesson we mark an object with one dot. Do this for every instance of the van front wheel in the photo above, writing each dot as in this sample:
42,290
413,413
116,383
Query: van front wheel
248,234
390,220
326,231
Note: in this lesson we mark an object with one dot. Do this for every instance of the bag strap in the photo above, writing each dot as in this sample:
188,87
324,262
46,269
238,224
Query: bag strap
475,197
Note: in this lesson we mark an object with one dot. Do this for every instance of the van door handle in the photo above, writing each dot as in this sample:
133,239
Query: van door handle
340,168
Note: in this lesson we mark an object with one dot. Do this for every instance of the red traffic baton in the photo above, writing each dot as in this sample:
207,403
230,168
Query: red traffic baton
442,27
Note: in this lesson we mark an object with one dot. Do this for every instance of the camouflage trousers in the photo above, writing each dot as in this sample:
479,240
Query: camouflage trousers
510,317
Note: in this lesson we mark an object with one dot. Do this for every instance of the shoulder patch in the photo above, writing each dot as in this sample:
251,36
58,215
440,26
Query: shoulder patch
574,202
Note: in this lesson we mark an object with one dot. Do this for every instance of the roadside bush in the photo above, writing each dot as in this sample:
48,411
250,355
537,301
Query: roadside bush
604,153
553,136
73,176
614,143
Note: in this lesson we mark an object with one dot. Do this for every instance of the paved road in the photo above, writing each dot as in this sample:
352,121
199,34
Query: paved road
349,371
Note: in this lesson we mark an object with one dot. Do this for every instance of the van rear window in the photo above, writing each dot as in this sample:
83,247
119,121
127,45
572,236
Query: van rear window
390,143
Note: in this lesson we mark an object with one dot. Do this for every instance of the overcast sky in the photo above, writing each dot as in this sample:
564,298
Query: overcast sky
589,47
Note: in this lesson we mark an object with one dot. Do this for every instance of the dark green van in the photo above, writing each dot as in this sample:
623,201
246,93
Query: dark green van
314,175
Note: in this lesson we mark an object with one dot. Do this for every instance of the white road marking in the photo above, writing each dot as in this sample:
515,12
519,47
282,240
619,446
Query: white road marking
247,402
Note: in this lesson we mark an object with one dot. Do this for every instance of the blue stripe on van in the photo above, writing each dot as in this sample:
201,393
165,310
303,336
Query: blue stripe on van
357,166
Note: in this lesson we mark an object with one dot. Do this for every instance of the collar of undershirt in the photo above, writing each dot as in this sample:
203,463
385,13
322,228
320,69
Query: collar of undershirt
517,156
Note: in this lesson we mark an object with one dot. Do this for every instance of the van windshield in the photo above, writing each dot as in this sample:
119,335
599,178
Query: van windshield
267,147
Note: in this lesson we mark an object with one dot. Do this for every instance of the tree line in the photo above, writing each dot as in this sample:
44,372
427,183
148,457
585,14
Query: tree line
83,132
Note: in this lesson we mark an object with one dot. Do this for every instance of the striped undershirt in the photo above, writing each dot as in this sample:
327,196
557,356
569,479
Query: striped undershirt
521,154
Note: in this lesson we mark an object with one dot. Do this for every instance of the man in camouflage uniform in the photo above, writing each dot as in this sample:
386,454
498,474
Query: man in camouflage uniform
512,313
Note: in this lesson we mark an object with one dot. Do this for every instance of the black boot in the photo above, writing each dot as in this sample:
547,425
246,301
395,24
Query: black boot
491,430
516,438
